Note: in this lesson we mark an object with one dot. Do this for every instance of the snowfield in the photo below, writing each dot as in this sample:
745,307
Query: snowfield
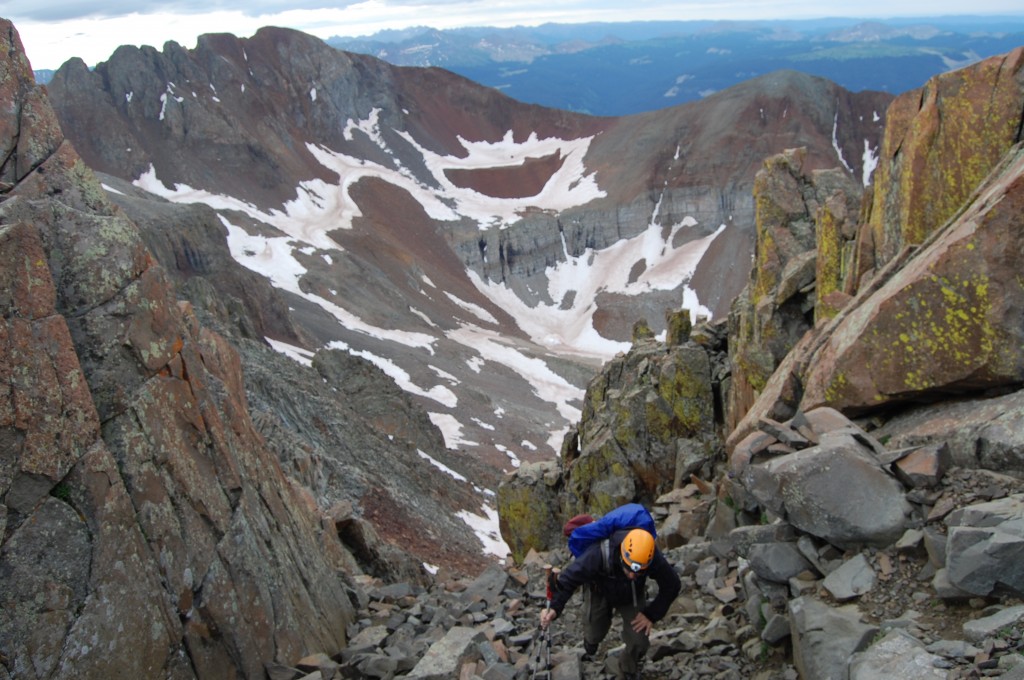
303,226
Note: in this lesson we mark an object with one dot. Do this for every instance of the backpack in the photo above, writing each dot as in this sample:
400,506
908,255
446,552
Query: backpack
629,516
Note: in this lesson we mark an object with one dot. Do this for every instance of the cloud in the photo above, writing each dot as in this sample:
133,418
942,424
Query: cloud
62,10
423,11
56,30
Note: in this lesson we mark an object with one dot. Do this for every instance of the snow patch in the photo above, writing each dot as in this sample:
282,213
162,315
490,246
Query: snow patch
486,529
835,142
476,310
608,270
451,429
441,466
547,385
869,161
438,393
297,354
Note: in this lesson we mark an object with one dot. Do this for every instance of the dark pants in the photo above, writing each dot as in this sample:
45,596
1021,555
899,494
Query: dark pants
597,620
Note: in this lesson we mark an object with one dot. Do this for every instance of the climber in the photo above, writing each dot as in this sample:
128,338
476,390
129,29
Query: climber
618,584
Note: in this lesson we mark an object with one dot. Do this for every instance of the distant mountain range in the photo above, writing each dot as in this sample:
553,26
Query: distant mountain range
613,69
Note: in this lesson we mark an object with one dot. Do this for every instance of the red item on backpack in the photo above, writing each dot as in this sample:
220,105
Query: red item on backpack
575,523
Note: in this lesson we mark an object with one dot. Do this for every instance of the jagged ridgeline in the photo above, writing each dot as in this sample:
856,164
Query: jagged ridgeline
180,500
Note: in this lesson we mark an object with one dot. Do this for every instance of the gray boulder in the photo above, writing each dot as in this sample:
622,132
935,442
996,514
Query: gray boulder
777,562
985,548
835,491
897,655
824,637
988,626
446,656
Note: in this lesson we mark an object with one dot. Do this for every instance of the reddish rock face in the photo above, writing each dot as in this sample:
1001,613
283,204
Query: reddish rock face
939,294
140,505
948,321
940,143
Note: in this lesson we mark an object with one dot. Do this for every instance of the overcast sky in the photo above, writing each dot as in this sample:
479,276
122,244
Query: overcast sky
55,30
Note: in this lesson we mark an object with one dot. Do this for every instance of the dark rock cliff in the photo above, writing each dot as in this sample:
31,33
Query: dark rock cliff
148,530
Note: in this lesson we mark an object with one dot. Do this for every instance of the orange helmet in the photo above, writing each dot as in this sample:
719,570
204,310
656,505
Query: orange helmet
637,550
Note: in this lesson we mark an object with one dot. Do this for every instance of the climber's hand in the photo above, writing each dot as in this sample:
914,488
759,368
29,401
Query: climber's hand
547,616
642,624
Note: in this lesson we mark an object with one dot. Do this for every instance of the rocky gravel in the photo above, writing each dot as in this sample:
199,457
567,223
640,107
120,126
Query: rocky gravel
727,623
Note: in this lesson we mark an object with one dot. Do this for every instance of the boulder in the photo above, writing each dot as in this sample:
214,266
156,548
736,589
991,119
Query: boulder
834,491
985,627
777,562
529,515
446,656
985,547
892,347
852,579
824,637
897,655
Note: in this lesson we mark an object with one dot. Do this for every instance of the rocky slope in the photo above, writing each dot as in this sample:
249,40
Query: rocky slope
864,518
159,519
181,501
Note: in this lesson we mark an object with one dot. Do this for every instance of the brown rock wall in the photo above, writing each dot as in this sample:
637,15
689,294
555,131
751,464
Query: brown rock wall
947,322
147,530
935,271
940,143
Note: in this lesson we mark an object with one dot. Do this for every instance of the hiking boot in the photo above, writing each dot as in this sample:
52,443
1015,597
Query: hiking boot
589,650
627,675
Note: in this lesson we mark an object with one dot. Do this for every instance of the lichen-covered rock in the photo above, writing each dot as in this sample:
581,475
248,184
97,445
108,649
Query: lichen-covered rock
947,321
148,529
804,222
634,413
648,422
938,297
529,511
940,143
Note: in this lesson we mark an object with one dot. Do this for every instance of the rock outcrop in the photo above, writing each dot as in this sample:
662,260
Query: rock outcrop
147,528
936,310
806,223
867,523
648,424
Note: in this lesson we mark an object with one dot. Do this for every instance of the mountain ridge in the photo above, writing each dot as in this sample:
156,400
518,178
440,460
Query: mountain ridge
624,68
190,496
260,126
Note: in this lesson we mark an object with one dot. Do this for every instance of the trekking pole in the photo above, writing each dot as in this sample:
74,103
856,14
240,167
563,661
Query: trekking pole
542,650
551,583
549,575
542,643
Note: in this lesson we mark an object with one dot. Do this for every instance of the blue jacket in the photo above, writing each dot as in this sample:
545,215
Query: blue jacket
589,569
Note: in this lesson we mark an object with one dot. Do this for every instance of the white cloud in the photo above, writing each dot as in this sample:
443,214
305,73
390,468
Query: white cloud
53,31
